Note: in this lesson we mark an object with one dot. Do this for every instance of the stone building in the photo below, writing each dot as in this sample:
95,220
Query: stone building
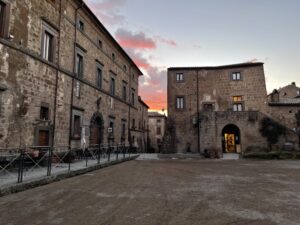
63,78
218,108
157,127
284,103
140,126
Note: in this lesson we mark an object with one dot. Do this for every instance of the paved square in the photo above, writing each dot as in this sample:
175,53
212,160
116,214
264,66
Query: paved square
160,192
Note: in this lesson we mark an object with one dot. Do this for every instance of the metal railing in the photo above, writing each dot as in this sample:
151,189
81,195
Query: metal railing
30,162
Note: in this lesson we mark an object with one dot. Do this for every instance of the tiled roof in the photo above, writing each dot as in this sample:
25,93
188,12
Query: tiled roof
287,101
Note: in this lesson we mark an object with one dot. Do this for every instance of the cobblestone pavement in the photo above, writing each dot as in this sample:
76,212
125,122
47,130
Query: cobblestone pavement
160,192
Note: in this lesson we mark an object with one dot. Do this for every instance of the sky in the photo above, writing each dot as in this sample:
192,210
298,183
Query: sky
158,34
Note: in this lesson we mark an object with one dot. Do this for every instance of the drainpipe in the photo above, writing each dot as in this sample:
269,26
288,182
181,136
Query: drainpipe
56,78
72,87
129,108
198,115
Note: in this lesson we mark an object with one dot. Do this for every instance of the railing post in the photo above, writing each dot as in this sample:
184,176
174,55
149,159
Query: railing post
99,154
123,149
50,153
86,158
21,166
70,158
108,157
117,152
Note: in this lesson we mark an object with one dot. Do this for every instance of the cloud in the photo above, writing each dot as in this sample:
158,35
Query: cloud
108,11
166,41
128,39
254,60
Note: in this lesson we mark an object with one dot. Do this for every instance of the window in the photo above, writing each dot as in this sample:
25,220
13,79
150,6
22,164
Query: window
77,126
80,25
132,96
158,120
133,123
4,19
49,35
124,91
179,103
77,89
113,56
79,65
236,76
111,126
237,103
99,77
298,92
179,77
237,98
48,46
208,107
158,130
100,45
112,86
123,130
125,68
44,112
158,141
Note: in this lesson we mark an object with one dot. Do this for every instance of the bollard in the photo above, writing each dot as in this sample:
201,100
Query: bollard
21,166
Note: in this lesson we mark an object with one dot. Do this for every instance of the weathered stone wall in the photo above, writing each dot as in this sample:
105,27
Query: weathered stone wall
216,87
30,81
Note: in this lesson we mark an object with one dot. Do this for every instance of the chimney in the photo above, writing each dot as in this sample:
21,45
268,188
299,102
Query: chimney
294,84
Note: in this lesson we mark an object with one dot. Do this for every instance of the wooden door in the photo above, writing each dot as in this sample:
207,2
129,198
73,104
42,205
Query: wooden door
43,138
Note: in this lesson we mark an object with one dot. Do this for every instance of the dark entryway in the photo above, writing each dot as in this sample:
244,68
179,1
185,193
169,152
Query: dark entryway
231,139
96,129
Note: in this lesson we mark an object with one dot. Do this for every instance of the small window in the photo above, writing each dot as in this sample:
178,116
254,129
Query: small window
112,86
236,76
80,25
237,98
208,107
158,141
111,126
48,46
44,113
123,130
100,44
125,68
77,89
179,77
179,103
298,92
133,123
79,65
113,56
4,19
124,91
158,130
99,77
158,120
77,126
237,107
132,96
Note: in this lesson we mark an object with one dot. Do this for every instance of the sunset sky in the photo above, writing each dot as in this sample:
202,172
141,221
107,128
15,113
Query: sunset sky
158,34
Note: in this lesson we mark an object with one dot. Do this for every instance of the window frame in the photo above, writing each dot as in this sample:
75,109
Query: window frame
80,22
99,82
44,106
4,19
77,113
112,85
79,52
124,90
233,76
182,104
237,103
132,99
179,77
48,30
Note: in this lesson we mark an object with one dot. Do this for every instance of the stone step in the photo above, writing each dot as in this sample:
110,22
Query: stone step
232,156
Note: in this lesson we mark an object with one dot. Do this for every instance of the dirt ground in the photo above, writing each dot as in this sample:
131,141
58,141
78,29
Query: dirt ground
160,192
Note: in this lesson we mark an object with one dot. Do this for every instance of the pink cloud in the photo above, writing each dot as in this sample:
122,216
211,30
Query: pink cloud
139,40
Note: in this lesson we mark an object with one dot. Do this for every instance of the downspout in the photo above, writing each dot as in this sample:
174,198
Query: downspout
56,78
198,115
72,87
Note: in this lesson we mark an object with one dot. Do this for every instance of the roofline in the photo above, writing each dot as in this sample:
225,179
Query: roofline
157,116
283,104
218,67
143,103
109,35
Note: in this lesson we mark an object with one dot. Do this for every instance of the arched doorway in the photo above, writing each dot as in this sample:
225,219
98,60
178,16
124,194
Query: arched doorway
231,139
96,129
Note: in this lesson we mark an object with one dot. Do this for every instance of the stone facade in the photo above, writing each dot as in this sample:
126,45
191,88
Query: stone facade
157,128
63,77
208,104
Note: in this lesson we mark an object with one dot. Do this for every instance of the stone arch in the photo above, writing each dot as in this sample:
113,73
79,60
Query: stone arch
231,139
96,129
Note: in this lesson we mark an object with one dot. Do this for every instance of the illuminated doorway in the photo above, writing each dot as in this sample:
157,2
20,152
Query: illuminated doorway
231,140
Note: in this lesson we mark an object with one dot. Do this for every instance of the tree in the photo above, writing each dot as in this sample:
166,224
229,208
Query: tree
271,130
